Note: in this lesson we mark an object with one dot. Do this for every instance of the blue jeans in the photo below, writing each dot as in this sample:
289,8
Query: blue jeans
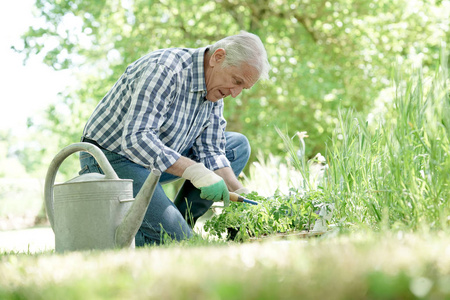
164,216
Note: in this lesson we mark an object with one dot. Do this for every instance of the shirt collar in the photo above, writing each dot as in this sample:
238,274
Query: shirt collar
198,70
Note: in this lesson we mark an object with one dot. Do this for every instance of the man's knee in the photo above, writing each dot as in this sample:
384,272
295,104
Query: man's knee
239,144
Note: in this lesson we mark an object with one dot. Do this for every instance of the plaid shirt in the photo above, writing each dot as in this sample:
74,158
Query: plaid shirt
157,109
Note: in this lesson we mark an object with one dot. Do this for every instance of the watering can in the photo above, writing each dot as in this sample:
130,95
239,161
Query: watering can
95,211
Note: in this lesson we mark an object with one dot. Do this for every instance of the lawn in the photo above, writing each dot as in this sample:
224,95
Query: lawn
362,265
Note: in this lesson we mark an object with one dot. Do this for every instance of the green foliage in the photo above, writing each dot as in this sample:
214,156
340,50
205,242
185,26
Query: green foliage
324,54
394,172
272,215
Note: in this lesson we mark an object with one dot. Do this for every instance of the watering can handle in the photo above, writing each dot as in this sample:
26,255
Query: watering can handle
60,157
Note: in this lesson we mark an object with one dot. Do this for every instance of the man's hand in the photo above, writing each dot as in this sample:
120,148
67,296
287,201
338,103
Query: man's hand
211,185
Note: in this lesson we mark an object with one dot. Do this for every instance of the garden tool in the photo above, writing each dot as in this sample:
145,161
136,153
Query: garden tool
95,211
238,198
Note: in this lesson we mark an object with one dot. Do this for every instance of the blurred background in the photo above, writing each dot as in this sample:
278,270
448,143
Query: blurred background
60,57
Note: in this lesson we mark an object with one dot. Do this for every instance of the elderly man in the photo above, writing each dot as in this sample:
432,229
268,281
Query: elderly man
166,113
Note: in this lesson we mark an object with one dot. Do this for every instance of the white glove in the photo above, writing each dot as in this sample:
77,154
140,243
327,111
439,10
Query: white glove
211,185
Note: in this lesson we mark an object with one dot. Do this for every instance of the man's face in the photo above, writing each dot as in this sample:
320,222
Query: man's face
222,82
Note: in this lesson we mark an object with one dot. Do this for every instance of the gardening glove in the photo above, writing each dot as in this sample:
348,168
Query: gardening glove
242,191
212,187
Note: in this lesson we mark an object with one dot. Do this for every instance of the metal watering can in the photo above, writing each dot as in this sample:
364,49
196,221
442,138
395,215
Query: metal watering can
95,211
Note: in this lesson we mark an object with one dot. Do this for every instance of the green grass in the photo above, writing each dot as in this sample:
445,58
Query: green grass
394,173
356,266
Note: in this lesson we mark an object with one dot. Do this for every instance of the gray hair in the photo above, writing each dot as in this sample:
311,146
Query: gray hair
246,48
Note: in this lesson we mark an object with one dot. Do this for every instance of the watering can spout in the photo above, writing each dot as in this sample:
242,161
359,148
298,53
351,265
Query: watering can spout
130,225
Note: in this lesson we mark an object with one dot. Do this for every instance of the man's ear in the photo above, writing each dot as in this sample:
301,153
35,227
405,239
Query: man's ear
217,57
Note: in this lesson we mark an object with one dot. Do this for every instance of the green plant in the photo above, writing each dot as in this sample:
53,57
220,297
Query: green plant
394,172
276,214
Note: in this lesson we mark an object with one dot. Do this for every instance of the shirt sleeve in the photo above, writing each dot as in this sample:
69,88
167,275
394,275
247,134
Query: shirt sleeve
151,97
209,147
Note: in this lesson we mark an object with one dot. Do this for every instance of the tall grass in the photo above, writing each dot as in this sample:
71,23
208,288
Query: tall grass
396,171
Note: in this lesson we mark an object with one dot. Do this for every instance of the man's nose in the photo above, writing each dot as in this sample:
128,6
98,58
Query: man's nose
235,91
